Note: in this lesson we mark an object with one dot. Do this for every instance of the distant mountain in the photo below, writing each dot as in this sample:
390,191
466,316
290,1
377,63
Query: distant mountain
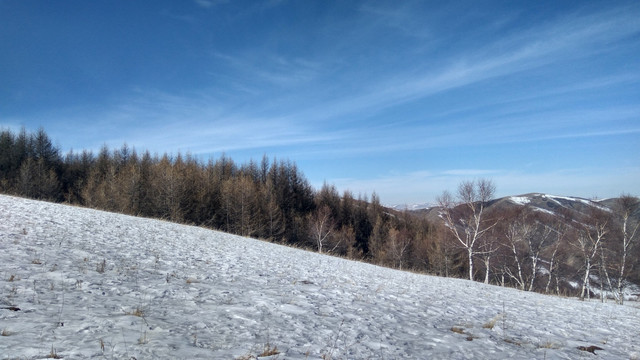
551,204
574,220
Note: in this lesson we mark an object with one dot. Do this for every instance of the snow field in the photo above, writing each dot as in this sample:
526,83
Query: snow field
92,284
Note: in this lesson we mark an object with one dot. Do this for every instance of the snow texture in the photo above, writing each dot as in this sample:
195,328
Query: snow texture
520,200
91,284
584,201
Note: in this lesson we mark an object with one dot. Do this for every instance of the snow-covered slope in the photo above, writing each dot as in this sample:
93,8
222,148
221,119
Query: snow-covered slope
411,207
94,284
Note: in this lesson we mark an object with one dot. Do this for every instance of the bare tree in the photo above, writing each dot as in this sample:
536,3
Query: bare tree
322,227
488,247
516,233
626,205
552,266
398,244
537,243
274,218
37,181
345,243
589,241
466,218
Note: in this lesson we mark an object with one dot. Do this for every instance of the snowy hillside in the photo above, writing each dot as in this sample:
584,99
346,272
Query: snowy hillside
411,207
80,283
545,203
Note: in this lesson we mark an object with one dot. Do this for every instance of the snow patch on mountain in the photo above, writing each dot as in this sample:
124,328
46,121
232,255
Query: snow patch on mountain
555,198
520,200
544,211
411,207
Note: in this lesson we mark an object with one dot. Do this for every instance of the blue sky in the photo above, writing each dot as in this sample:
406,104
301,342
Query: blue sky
402,98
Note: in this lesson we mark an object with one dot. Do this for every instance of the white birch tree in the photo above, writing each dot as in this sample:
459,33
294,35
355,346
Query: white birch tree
626,205
322,227
589,241
515,235
466,218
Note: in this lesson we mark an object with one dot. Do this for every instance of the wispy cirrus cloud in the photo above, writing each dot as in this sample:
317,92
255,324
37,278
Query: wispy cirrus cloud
198,123
270,68
329,109
207,4
542,45
363,94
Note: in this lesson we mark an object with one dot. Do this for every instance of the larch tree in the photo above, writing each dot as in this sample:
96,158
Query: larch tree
273,214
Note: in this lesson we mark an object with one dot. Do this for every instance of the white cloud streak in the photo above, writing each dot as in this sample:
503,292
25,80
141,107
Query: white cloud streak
540,46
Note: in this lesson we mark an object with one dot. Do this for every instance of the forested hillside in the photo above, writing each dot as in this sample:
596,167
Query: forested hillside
533,242
270,200
540,242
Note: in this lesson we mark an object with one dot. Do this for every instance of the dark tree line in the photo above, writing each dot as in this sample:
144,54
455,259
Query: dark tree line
30,165
272,200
